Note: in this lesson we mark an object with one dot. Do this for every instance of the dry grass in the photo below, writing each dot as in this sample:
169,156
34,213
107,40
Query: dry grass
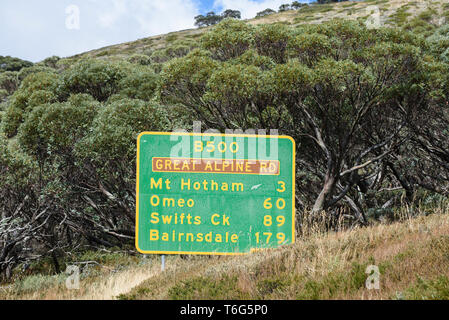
332,266
113,285
412,256
106,284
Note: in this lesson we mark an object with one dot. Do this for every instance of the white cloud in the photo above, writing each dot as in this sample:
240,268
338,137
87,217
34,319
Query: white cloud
152,17
249,8
34,30
108,18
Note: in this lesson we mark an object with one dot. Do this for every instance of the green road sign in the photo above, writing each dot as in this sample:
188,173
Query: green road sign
214,193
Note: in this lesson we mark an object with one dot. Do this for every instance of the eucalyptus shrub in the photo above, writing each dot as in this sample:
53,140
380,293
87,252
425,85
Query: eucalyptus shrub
35,89
13,64
271,40
3,95
25,72
439,41
100,79
141,59
9,82
229,39
140,83
342,91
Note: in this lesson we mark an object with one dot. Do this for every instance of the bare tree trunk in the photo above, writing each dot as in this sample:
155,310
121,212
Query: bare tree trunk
403,181
8,272
330,182
55,262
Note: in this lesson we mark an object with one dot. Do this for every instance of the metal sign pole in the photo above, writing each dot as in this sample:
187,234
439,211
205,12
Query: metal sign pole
163,263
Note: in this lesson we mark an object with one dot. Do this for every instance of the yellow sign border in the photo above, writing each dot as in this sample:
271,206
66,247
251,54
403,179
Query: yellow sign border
211,135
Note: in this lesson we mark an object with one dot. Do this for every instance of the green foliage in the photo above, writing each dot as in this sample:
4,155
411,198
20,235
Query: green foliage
439,41
334,282
3,95
9,81
269,285
423,289
337,39
252,58
211,18
314,8
66,63
38,283
19,100
229,39
235,14
98,78
401,16
327,74
177,50
310,48
233,88
271,40
141,59
419,26
112,139
21,171
398,36
297,5
284,7
206,288
51,62
427,14
40,97
35,89
445,56
184,75
11,120
44,133
159,56
25,72
171,37
289,80
13,64
39,81
139,84
180,48
208,20
265,12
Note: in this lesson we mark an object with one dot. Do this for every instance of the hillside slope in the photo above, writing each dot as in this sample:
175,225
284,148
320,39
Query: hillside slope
412,257
392,13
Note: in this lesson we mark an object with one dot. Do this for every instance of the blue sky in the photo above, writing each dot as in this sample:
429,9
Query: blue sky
206,6
35,30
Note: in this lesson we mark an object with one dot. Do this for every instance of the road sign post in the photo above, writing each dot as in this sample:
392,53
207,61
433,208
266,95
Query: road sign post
163,262
214,193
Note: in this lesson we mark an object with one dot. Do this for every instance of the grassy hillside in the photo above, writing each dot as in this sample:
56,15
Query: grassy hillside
412,257
401,13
